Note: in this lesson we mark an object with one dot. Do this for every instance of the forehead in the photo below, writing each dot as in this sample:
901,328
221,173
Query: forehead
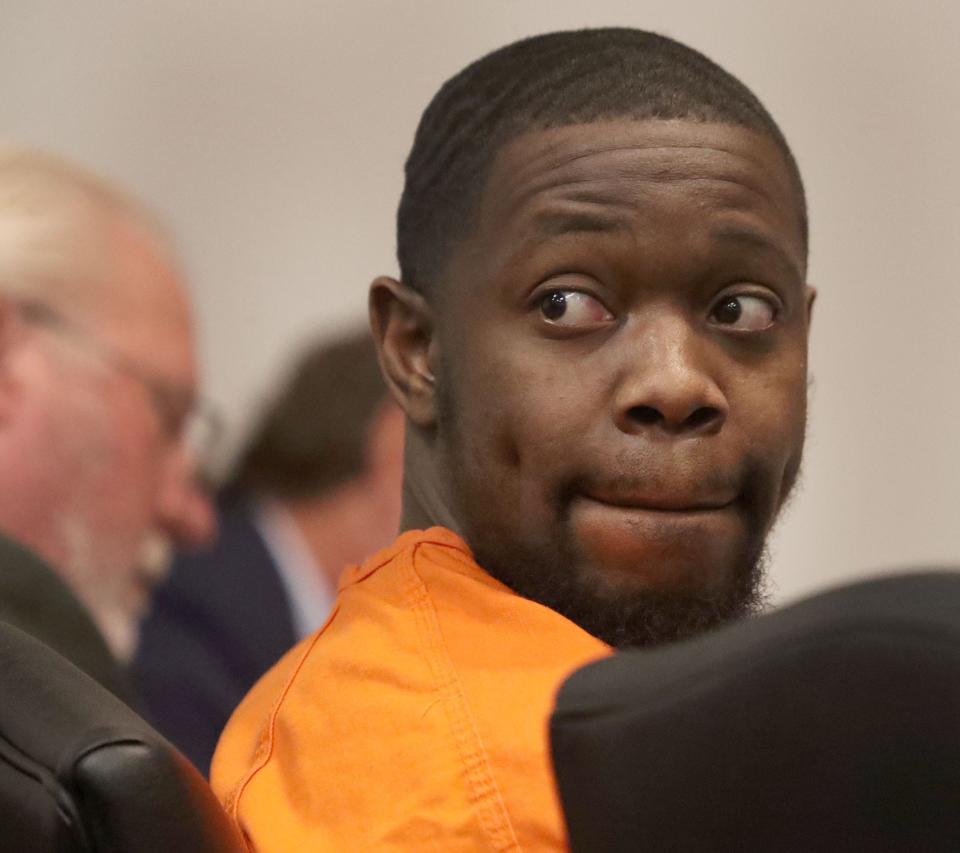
145,313
626,174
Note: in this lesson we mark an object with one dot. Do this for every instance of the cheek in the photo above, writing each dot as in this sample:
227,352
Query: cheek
771,415
122,463
519,422
534,403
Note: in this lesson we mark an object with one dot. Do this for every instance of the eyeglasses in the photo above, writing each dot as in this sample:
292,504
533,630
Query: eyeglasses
182,414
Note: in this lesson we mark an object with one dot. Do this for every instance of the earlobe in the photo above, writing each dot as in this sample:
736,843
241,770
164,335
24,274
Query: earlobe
402,325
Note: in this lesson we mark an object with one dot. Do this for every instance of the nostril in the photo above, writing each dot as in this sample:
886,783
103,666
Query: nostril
645,415
703,417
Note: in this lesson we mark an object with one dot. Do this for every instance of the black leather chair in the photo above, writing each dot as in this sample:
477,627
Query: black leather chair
80,771
832,725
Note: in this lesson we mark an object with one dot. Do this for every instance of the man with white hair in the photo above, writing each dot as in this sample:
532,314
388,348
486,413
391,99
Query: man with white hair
98,405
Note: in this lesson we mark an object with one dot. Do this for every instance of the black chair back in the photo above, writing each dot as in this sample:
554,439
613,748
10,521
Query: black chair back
833,725
80,771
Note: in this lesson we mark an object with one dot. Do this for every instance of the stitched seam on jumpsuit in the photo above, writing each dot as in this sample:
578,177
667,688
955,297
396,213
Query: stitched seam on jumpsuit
484,792
264,751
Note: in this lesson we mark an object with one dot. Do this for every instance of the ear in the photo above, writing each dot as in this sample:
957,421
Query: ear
810,298
402,325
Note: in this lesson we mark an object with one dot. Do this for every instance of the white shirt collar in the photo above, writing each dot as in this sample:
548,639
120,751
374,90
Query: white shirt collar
310,595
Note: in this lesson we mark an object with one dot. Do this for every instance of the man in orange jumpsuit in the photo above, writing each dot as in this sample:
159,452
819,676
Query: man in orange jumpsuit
599,339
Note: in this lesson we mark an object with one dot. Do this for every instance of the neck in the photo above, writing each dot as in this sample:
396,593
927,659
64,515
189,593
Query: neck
424,504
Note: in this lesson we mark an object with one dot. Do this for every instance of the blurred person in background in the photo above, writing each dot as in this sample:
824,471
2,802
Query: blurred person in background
317,489
98,411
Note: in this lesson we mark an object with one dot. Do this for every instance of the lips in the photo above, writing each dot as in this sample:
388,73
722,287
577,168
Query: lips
662,501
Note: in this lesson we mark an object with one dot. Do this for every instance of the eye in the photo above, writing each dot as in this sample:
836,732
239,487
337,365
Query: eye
573,308
745,312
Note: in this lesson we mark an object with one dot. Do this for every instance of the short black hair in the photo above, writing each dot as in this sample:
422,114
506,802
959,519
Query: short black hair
313,437
553,80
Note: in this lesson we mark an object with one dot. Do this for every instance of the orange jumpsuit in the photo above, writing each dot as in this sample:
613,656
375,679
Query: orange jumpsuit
414,720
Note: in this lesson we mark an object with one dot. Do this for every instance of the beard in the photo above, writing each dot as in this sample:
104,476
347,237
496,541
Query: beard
623,615
112,582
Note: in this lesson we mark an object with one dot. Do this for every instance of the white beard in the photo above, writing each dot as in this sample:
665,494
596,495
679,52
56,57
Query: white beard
115,593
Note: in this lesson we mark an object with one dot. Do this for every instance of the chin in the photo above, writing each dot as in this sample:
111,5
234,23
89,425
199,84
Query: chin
664,573
695,559
650,605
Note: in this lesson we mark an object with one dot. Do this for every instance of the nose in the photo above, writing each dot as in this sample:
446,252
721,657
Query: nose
669,386
186,511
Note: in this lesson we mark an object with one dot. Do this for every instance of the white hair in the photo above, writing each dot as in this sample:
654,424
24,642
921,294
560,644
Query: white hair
55,220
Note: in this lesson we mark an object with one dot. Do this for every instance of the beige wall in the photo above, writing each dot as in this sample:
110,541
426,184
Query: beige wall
272,135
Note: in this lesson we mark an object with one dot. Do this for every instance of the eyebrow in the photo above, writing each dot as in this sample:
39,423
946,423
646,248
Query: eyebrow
754,239
556,223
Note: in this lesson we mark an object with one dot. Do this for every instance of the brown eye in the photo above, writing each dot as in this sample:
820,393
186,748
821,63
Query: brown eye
572,308
554,305
745,313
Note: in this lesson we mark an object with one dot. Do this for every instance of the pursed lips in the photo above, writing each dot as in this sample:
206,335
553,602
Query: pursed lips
662,502
626,528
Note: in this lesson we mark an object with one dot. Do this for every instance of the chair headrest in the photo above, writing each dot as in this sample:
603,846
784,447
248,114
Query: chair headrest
831,724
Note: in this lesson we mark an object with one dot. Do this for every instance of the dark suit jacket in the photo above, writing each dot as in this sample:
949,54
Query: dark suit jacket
35,600
218,623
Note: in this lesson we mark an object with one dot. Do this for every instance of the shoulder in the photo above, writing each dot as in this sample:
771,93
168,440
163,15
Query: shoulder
345,680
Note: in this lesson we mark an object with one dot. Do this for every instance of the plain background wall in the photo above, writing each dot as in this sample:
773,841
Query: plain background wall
272,136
